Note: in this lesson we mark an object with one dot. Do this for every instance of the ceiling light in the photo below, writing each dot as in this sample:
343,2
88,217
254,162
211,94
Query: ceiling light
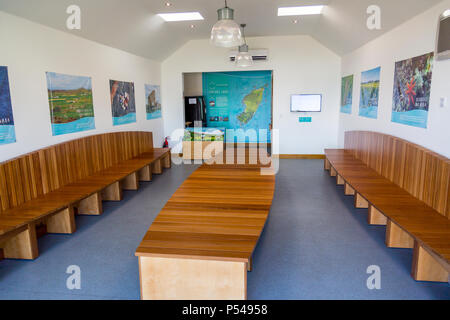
295,21
226,32
192,26
300,11
244,58
168,4
446,13
181,16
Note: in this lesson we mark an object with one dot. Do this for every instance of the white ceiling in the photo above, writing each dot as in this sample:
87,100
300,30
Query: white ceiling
133,26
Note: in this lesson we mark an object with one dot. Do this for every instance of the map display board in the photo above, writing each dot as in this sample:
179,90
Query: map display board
70,101
239,100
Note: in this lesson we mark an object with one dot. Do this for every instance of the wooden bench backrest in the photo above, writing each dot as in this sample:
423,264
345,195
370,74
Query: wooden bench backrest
42,171
423,173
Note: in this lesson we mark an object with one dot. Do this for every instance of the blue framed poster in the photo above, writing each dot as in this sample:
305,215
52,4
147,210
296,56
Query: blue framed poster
70,101
347,94
123,102
153,102
239,100
7,130
412,87
370,88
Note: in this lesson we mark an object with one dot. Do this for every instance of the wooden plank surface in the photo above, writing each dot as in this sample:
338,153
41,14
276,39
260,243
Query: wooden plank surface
218,213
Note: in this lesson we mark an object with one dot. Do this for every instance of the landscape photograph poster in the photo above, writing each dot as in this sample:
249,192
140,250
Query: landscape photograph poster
347,94
123,103
7,131
412,87
370,88
153,102
70,100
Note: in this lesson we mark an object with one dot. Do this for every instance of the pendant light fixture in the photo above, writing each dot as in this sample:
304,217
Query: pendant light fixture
244,58
226,32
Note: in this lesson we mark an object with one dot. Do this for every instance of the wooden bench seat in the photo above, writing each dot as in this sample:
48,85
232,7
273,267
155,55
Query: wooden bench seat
411,223
200,245
56,207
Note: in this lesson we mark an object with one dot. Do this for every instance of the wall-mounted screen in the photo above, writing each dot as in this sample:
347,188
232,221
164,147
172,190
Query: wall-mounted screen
306,103
443,37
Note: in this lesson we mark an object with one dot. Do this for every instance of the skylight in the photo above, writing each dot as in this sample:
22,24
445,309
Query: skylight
299,11
181,16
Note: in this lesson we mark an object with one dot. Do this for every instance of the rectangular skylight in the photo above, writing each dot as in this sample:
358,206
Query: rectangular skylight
181,16
299,11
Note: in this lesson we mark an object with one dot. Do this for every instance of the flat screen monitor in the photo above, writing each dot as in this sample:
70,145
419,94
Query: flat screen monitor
306,103
443,37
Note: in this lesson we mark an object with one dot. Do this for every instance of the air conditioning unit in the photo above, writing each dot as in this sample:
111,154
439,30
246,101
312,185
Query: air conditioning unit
257,54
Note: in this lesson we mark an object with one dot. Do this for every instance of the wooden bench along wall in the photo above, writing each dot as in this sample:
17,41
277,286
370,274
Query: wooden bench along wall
406,188
423,173
48,185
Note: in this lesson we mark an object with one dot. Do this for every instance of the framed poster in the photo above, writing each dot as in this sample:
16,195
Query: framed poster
347,94
370,88
70,101
153,101
412,87
7,130
123,103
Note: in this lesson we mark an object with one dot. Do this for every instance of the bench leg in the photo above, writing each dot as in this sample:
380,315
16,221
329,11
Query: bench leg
191,279
157,167
62,222
339,180
426,268
131,182
145,174
250,264
167,161
23,245
348,190
375,217
360,202
333,172
396,237
326,164
112,192
91,205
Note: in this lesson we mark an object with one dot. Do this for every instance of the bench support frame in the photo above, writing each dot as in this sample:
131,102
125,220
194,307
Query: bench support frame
192,279
145,174
157,167
396,237
62,222
426,268
339,180
360,202
131,182
167,161
326,165
112,192
333,172
91,205
348,190
22,245
375,217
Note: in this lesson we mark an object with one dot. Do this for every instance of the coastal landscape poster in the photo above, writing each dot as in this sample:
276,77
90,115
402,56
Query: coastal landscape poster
123,103
70,100
412,87
347,94
153,102
370,88
7,131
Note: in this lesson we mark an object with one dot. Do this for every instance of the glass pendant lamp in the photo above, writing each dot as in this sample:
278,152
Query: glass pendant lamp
244,58
226,32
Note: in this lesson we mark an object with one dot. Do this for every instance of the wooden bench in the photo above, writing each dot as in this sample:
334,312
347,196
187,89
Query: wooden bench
406,188
201,243
49,186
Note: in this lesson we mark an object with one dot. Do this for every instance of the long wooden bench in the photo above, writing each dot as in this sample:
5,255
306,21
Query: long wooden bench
201,243
48,186
406,188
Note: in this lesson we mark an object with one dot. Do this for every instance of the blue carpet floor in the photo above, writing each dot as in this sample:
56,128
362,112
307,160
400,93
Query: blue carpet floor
315,246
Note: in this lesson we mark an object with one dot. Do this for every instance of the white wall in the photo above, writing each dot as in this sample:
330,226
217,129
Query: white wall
29,50
413,38
300,65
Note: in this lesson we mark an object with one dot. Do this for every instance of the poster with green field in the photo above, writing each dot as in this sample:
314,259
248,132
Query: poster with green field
370,88
241,101
347,94
70,100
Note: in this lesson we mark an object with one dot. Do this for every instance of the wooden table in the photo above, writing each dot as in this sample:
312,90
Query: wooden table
201,243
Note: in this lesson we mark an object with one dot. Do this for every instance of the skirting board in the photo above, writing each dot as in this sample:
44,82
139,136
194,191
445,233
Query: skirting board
298,156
